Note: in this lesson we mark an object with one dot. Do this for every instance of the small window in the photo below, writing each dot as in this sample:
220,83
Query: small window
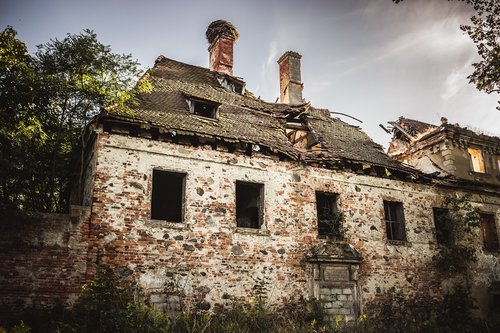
444,226
495,302
202,107
489,232
329,218
232,84
494,293
476,157
394,221
249,203
167,199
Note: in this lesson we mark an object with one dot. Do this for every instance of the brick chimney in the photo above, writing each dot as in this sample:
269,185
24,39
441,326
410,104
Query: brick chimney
221,35
290,81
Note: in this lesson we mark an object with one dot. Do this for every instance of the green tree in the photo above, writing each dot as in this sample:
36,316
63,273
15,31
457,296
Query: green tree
55,94
81,76
21,131
484,31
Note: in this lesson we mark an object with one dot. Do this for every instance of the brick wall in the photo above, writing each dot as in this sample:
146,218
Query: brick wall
213,262
206,259
42,261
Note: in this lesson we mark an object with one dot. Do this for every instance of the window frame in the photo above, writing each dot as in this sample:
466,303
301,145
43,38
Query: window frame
334,209
260,204
477,152
194,102
490,244
399,220
174,173
449,225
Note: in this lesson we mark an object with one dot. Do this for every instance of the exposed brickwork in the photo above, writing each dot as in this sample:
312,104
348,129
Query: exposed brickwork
213,261
43,261
207,260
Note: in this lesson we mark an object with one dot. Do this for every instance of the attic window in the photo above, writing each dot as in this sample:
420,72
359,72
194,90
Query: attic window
202,107
235,87
476,157
232,84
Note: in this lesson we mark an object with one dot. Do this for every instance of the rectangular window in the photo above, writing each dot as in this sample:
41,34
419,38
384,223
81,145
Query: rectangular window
476,157
167,199
489,232
394,221
249,204
494,293
202,107
329,218
444,226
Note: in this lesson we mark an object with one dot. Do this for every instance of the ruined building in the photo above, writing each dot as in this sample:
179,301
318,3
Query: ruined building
448,151
221,196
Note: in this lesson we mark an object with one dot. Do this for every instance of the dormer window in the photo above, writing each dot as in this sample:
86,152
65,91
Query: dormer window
476,157
235,87
203,107
232,84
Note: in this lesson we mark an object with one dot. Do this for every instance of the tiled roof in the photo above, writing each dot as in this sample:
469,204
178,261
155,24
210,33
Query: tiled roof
415,127
423,130
244,118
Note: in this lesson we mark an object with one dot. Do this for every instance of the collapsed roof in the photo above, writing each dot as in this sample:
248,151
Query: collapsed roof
244,119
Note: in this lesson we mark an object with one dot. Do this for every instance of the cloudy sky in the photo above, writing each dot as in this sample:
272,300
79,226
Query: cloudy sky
371,59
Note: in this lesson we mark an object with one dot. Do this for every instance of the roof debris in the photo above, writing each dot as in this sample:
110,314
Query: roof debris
247,120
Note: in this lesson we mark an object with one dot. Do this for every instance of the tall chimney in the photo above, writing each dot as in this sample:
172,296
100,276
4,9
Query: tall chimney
221,35
290,81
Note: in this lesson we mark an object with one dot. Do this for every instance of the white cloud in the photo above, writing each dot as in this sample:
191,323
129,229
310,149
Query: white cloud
455,81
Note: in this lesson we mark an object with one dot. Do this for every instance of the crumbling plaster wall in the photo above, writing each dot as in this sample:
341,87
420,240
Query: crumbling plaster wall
463,163
213,262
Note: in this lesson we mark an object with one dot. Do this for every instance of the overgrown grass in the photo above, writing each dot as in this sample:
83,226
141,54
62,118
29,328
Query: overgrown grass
105,307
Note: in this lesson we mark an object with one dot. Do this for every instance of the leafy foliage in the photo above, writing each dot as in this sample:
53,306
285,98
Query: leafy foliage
397,312
46,101
331,224
104,306
22,135
455,256
484,32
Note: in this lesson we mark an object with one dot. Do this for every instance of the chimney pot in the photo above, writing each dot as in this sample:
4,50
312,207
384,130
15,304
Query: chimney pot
221,35
290,78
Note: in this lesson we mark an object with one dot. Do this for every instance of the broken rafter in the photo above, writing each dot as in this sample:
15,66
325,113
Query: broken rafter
402,130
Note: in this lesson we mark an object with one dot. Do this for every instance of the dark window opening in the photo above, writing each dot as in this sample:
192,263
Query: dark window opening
444,226
238,88
107,127
232,84
204,109
495,303
249,203
489,232
168,196
329,218
394,221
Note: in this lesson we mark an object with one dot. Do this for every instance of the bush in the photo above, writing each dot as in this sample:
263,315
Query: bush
106,307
